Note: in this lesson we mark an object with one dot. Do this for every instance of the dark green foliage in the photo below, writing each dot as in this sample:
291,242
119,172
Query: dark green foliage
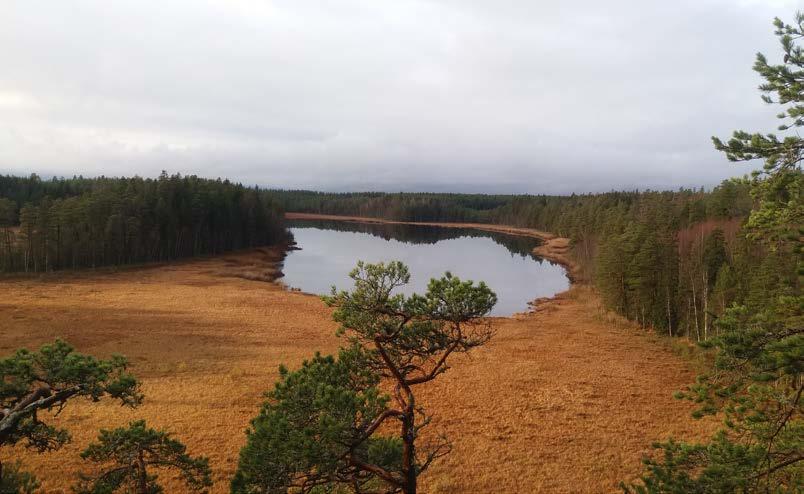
13,480
757,386
612,265
714,256
726,289
128,456
637,272
45,380
72,223
731,199
757,381
305,431
324,428
403,207
574,216
31,382
7,221
699,468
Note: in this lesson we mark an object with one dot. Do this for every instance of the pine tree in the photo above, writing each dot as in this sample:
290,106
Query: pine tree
129,456
612,265
34,382
30,240
757,380
7,243
320,428
13,480
714,256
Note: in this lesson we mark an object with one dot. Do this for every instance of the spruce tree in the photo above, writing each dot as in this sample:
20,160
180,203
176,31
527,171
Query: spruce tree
714,256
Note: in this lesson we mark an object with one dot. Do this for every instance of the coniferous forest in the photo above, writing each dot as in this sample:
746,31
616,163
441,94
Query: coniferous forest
89,222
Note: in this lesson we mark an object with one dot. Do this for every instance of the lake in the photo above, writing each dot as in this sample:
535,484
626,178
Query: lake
329,250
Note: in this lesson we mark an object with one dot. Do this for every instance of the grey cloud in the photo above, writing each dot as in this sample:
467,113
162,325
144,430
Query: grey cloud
502,96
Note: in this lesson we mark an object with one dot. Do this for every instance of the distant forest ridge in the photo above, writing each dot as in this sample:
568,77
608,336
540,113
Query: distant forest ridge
87,222
556,213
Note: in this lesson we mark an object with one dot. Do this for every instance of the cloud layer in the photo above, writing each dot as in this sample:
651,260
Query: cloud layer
497,96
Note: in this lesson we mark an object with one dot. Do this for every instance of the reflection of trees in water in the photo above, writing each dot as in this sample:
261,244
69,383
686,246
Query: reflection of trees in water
423,234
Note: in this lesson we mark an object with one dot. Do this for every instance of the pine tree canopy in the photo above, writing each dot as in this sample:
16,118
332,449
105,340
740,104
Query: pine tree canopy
756,383
128,457
327,426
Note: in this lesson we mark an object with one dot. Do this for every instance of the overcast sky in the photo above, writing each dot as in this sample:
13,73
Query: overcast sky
496,96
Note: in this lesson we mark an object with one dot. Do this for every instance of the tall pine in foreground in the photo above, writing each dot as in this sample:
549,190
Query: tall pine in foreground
756,383
331,426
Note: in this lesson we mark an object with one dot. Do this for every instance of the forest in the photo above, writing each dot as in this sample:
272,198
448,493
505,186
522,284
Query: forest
81,222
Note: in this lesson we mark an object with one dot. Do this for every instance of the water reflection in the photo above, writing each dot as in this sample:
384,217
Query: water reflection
330,249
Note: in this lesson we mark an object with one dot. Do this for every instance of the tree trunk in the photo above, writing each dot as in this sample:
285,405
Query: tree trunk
705,305
669,318
695,308
689,316
58,246
142,481
409,449
9,261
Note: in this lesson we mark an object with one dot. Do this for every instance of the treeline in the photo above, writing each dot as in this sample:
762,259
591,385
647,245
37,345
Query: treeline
400,206
669,260
561,214
87,222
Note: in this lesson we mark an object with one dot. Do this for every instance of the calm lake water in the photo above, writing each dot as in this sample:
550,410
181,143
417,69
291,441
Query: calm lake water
330,249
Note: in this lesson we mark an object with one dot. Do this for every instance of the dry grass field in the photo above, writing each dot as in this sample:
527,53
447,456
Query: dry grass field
561,400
